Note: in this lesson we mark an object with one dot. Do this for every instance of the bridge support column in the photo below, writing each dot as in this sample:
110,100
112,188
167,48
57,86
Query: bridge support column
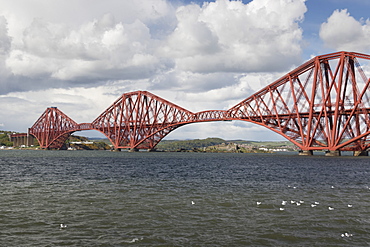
332,153
360,153
306,152
21,139
134,150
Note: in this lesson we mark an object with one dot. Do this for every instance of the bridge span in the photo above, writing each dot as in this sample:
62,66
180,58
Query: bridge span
324,104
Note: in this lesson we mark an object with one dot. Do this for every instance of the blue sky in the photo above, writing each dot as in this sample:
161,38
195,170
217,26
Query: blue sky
319,11
199,56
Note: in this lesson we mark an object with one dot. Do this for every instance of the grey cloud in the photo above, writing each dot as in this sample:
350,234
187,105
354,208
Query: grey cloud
193,82
5,40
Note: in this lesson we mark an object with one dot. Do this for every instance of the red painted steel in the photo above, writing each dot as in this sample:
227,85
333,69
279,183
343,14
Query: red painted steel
53,128
139,120
322,104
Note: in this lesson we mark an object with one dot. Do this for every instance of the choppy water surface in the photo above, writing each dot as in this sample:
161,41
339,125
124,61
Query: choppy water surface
182,199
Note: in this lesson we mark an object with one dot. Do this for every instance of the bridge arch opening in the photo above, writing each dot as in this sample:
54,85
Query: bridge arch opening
88,139
227,130
91,134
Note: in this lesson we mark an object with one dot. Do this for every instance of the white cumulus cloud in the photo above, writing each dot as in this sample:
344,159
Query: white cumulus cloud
101,49
343,32
221,36
232,36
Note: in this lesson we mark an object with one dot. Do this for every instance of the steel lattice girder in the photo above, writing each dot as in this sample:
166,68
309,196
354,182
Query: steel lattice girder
322,104
53,128
140,120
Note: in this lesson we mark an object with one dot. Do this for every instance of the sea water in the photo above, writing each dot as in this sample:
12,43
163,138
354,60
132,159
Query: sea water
100,198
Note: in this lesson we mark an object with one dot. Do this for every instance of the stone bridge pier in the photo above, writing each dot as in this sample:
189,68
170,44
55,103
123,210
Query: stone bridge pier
22,139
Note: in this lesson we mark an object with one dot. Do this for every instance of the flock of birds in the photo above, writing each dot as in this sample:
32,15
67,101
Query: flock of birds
299,203
314,204
283,203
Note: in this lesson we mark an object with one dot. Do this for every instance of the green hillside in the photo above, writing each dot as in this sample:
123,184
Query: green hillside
4,138
174,145
197,145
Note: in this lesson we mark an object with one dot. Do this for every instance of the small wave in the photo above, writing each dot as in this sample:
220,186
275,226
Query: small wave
133,240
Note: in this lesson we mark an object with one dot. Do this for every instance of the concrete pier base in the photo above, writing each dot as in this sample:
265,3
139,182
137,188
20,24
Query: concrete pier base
360,153
306,152
333,153
116,150
134,150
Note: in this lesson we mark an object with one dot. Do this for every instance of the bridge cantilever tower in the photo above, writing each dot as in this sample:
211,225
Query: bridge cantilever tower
53,128
139,120
323,104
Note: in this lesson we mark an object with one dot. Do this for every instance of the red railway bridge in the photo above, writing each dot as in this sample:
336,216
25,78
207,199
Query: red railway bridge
321,105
